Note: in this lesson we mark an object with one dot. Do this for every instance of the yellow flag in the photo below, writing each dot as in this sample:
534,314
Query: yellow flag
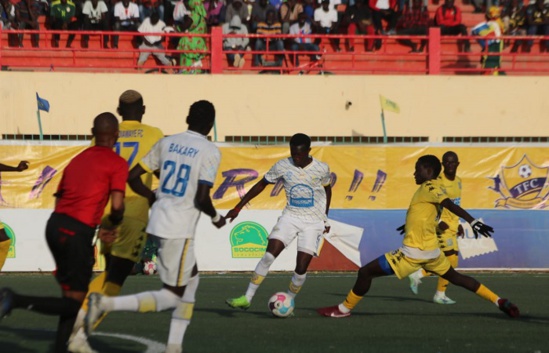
389,105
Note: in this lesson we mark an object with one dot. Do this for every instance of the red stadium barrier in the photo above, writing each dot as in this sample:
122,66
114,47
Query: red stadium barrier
442,55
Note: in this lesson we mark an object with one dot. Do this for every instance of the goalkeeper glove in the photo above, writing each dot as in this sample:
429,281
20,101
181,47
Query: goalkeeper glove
401,229
479,227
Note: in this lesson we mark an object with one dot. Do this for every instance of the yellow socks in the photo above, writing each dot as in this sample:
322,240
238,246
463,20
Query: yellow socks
487,294
96,286
4,249
442,283
352,300
111,289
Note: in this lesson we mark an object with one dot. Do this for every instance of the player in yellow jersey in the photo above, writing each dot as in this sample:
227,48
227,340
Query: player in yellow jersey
134,142
5,241
448,228
420,245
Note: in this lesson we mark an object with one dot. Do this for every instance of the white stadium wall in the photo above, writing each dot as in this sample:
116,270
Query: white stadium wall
433,106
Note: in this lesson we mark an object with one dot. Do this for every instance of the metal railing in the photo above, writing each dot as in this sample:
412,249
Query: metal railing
442,55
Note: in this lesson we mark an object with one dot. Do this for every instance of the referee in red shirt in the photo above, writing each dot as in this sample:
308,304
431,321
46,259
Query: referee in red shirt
89,181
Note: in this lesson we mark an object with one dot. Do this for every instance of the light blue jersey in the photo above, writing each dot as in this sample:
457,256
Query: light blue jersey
304,187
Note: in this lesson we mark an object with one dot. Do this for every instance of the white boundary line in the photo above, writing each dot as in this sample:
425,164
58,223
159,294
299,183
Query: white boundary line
152,346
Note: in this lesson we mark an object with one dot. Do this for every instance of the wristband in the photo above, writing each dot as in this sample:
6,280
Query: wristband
115,220
216,218
107,223
327,224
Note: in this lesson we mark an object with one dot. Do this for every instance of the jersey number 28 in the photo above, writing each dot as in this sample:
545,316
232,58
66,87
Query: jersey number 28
181,178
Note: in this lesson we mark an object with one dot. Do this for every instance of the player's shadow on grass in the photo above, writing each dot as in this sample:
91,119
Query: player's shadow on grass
384,297
229,312
34,337
43,337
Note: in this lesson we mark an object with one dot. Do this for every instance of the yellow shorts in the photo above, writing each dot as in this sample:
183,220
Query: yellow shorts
403,266
130,241
447,241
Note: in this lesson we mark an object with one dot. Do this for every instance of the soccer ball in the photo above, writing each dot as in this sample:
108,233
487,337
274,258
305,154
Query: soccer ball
525,171
149,267
281,304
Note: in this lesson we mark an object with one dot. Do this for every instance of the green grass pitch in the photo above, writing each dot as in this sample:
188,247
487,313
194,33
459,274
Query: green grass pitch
389,319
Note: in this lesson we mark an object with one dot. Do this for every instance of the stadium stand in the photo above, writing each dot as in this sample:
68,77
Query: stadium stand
442,55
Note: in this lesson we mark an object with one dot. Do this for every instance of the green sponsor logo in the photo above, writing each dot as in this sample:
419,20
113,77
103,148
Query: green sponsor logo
248,240
11,235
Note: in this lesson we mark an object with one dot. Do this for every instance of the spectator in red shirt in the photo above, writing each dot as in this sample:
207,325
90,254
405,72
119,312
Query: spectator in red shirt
448,18
414,22
89,181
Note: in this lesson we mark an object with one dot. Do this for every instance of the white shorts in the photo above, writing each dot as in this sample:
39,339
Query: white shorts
175,261
309,235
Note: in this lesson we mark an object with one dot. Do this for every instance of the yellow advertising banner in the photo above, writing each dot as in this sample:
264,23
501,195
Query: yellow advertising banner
363,177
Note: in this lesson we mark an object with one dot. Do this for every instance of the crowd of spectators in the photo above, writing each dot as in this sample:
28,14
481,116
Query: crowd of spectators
268,17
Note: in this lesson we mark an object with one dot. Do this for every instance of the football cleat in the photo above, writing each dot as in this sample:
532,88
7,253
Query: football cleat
94,312
509,308
239,303
414,282
79,344
333,311
442,299
6,302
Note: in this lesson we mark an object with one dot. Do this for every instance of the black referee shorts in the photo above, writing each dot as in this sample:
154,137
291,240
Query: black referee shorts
70,242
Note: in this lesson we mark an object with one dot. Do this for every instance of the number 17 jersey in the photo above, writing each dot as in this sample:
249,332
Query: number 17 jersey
184,160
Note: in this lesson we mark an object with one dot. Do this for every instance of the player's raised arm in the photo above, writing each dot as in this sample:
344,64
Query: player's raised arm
478,226
254,191
23,165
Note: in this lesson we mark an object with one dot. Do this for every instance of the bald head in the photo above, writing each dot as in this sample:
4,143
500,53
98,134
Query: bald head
105,129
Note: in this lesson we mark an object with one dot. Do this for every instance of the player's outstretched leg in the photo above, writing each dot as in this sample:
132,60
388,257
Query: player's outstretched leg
482,291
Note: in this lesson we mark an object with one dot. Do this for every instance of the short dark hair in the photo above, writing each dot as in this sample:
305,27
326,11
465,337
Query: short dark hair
449,154
431,161
300,140
201,114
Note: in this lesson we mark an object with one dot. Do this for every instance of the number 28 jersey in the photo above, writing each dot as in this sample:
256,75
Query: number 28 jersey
184,161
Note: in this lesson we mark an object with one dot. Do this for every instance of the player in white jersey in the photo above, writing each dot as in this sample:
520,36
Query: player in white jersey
188,165
308,192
